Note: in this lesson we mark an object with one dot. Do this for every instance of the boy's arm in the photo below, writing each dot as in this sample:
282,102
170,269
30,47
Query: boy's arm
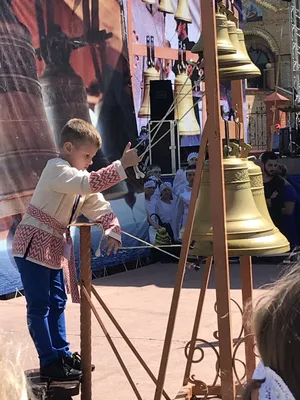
65,179
97,209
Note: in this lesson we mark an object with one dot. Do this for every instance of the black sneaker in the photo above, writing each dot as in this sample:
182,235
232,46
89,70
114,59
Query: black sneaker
59,370
74,361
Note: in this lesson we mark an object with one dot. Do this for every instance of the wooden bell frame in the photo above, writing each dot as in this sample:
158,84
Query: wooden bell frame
213,134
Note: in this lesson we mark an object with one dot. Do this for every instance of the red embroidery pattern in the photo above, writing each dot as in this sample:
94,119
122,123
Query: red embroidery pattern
104,178
44,247
110,223
45,219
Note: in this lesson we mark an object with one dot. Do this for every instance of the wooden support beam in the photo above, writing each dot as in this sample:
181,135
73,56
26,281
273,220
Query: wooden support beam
161,52
218,201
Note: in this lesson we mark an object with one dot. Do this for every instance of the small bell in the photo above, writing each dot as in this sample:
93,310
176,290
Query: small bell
184,106
166,6
183,11
224,45
246,71
248,232
238,58
151,74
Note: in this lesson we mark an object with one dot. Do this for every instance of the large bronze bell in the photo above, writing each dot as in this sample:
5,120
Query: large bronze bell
238,58
248,232
246,71
224,45
27,142
65,97
184,106
166,6
276,241
151,74
183,11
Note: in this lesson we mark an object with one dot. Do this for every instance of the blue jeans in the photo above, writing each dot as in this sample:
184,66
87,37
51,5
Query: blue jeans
46,299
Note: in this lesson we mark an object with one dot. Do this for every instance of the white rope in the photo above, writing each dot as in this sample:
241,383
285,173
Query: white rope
166,133
171,108
148,245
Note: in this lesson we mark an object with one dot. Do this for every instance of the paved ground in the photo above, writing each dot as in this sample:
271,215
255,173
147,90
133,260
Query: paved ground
140,301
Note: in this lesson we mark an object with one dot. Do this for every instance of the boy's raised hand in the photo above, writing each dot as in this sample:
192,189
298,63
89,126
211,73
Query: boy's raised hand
130,157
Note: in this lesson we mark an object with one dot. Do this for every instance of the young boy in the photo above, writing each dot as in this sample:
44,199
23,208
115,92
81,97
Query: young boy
41,243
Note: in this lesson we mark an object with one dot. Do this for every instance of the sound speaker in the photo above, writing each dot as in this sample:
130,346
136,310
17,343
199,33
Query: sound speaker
161,99
161,153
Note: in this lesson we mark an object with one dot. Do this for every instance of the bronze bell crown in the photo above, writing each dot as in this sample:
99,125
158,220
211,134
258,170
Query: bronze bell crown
248,232
224,45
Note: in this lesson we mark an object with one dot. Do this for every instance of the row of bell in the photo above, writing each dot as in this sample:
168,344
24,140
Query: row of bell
183,102
250,230
166,6
233,59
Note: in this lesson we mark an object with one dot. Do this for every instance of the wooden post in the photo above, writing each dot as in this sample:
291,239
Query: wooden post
130,44
181,268
85,312
218,198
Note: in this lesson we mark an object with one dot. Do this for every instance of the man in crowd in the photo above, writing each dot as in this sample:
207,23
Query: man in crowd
279,193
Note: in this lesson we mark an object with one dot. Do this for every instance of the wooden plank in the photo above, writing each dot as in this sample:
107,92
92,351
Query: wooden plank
161,52
218,198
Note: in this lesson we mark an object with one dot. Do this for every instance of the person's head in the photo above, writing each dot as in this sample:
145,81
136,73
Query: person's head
192,159
282,170
154,170
270,161
182,29
149,188
79,143
165,191
277,328
190,175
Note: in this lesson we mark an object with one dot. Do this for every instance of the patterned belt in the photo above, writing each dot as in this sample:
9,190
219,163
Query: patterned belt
45,219
69,266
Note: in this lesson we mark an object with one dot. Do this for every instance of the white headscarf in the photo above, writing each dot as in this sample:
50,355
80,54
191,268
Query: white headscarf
191,156
165,185
149,184
273,386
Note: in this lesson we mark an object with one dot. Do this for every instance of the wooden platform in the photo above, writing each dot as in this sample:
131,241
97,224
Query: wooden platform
43,390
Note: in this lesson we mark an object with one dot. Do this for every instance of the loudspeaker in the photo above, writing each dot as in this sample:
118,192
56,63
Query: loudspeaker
161,99
165,152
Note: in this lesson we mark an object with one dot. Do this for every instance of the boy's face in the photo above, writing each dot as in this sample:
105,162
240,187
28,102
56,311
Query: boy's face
80,156
190,175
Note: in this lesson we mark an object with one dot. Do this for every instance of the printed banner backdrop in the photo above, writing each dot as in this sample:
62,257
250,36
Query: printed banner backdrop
167,32
49,74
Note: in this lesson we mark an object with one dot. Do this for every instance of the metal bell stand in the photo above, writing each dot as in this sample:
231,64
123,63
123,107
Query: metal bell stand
213,134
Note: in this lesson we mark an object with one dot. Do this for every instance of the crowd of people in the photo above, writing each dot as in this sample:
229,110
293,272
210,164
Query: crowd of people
167,203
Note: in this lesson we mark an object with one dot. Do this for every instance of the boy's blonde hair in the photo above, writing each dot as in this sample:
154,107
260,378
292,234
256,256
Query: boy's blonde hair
78,132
